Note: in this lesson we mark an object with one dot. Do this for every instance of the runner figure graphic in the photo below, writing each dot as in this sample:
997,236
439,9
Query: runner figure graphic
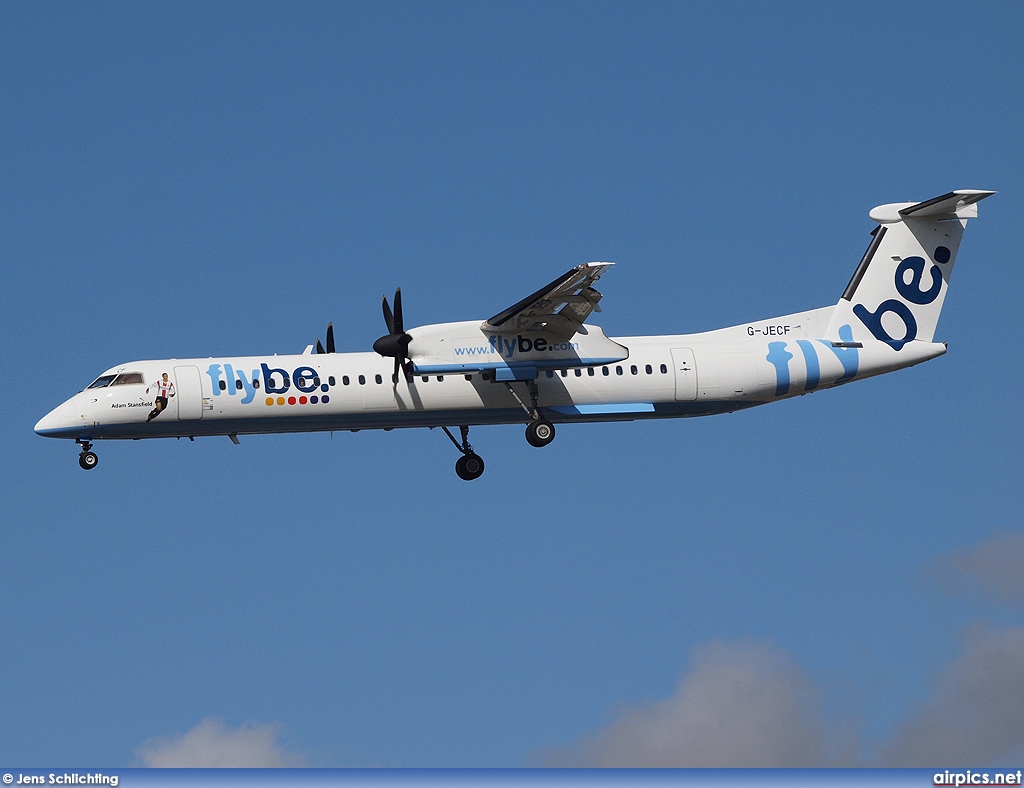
164,389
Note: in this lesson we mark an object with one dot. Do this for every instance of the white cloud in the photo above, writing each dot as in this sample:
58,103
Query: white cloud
993,566
975,714
213,744
743,704
752,705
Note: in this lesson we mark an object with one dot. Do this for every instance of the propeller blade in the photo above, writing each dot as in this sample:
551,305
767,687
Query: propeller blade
319,347
389,318
396,342
399,322
330,338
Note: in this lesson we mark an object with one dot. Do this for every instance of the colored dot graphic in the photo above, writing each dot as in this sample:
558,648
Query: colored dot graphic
314,400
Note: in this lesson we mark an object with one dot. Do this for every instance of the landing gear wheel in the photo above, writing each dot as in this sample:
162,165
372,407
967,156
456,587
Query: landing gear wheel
88,460
540,432
469,467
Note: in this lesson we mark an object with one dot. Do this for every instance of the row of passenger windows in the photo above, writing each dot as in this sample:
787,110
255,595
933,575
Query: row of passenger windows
633,370
136,377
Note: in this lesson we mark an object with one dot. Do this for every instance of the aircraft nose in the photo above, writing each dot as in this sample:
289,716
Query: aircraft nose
47,423
50,425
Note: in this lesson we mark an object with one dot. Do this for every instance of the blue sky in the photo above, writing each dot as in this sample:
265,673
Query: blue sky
837,571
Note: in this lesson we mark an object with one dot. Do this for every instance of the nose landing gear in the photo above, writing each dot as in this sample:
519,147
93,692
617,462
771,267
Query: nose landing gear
87,459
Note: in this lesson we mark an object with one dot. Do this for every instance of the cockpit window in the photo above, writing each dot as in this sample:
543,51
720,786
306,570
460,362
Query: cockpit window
128,377
102,382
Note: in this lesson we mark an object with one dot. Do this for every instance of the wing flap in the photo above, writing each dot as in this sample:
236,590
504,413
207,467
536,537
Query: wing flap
560,308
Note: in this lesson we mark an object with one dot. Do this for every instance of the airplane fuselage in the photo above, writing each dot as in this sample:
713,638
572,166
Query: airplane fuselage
661,377
539,363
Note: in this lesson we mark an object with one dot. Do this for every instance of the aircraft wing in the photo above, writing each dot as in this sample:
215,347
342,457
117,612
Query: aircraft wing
559,308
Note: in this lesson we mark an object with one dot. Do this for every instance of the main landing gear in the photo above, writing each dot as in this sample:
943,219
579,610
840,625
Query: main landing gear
470,465
539,432
87,459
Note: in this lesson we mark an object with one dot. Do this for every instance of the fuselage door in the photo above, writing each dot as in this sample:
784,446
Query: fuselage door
686,374
189,393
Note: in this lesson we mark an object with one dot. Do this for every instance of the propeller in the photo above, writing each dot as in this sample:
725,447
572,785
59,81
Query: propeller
330,340
396,342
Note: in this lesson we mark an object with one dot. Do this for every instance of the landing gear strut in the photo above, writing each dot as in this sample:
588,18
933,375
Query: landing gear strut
470,466
87,459
539,432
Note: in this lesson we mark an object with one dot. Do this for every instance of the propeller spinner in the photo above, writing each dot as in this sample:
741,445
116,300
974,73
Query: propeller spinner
396,342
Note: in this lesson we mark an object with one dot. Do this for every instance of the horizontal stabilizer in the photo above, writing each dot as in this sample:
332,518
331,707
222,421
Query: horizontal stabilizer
959,204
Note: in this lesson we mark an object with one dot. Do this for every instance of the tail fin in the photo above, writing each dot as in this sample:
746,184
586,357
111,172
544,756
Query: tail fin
897,291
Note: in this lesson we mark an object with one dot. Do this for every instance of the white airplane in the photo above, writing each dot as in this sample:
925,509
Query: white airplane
539,363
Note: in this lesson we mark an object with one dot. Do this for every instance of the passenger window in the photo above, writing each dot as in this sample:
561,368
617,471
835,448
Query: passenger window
565,373
549,373
330,381
618,370
579,372
362,380
102,382
590,371
128,377
604,371
649,370
633,369
238,385
223,385
469,377
255,383
664,370
440,378
344,380
272,382
379,379
316,382
300,381
426,378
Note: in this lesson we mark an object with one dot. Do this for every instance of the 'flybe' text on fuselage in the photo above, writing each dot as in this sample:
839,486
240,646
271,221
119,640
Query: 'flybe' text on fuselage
507,347
226,379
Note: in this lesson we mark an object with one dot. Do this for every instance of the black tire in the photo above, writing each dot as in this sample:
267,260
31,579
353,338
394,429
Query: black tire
88,460
540,433
469,467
